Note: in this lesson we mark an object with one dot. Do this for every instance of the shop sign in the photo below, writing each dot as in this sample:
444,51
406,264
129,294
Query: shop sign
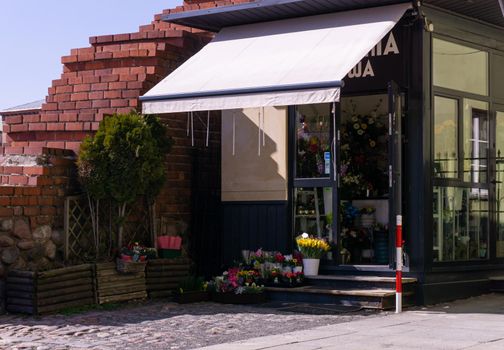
381,65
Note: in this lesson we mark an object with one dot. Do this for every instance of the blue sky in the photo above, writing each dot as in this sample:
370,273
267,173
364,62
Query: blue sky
34,34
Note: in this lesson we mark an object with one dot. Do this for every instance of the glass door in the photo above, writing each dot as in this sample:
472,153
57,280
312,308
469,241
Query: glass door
499,181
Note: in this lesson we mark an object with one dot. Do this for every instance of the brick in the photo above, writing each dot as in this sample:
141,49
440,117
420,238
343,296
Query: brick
49,106
49,117
47,191
5,201
37,126
68,117
31,211
104,39
31,118
35,170
20,201
18,180
121,37
131,93
74,81
109,78
82,87
66,105
6,191
73,126
64,89
57,144
31,191
68,59
6,212
80,96
18,128
113,94
47,210
83,104
103,55
55,126
117,85
85,117
119,103
101,104
96,95
91,80
128,77
44,181
99,86
15,119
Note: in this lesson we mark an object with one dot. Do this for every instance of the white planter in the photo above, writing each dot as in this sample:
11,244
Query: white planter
298,269
367,220
311,267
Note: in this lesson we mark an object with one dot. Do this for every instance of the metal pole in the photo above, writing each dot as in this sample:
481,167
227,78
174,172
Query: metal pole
399,264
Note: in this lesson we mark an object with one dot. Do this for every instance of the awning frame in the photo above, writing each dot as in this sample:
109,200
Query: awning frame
244,91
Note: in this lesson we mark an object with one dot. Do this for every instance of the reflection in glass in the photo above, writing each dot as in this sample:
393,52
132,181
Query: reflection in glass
498,76
476,132
499,177
445,137
313,211
460,67
460,218
313,144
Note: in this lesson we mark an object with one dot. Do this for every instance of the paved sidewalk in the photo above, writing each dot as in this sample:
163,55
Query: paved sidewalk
471,324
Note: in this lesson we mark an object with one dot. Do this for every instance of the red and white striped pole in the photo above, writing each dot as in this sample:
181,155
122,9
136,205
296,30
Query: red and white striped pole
399,263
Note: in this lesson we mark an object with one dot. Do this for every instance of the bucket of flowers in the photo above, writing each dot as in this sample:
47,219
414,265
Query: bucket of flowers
133,258
237,286
312,249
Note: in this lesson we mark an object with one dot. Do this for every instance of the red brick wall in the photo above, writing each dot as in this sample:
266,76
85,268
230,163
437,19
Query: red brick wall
105,78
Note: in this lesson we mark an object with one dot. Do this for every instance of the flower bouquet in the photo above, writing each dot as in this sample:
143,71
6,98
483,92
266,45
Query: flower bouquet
312,249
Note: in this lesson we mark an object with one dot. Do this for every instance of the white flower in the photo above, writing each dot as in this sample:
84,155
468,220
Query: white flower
305,235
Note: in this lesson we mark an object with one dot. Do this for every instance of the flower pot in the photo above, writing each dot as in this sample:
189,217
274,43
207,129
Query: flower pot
311,266
368,220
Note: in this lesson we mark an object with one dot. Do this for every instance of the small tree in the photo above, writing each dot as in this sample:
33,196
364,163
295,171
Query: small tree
124,160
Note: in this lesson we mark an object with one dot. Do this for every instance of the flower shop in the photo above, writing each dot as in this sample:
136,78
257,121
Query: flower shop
335,120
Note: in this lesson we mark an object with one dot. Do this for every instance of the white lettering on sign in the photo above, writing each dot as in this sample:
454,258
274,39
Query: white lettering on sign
364,68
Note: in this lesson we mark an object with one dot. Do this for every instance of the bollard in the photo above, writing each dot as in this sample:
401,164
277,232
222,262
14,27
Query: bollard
399,264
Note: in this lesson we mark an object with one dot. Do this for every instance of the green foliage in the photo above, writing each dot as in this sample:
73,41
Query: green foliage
125,158
191,284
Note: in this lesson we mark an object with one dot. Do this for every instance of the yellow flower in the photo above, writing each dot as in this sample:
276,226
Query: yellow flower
363,126
356,126
372,143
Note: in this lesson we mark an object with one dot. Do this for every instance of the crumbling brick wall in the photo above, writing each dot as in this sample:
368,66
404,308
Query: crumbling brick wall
105,78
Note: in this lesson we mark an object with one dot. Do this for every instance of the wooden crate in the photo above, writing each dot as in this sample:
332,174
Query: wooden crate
164,275
111,286
44,292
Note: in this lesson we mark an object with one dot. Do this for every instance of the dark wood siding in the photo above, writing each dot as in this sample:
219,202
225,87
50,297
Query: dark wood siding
253,225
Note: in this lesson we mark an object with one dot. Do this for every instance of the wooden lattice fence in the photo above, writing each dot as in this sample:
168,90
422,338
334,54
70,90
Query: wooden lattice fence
79,238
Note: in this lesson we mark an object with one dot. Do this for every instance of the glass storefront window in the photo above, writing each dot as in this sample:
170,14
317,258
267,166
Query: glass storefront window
460,224
460,67
498,76
445,137
499,177
313,143
476,141
313,211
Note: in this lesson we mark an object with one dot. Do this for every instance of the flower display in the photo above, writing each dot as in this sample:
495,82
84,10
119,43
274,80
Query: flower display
363,153
311,247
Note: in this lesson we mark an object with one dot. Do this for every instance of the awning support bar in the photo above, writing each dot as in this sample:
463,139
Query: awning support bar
242,91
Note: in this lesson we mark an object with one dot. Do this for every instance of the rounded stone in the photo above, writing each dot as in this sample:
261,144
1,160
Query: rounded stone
26,245
10,255
50,250
6,241
19,264
21,229
36,253
6,225
58,237
42,233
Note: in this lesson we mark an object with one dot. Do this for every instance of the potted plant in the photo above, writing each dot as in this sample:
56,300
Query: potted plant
312,250
237,286
132,259
191,289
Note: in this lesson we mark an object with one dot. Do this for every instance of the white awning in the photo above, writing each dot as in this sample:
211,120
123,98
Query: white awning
289,62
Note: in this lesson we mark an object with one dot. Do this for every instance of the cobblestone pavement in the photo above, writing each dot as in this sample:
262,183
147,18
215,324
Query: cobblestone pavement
162,325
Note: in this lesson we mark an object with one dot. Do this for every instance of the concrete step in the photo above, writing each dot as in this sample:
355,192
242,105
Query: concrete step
497,284
361,282
365,298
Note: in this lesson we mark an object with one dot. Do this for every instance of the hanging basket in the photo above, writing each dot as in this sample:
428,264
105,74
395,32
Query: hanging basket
130,266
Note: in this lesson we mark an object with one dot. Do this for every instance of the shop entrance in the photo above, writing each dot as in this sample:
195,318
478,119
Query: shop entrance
346,176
